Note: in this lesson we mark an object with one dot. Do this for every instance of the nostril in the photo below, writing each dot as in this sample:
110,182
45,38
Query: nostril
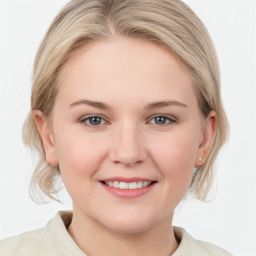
128,162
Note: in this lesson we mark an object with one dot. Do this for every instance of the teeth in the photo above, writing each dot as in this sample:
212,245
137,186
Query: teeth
133,185
123,185
130,185
115,184
140,184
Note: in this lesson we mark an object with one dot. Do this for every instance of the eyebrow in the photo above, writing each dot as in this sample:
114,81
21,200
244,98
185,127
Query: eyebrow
94,104
101,105
161,104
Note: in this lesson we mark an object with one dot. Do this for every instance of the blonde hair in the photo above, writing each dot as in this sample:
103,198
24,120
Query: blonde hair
168,23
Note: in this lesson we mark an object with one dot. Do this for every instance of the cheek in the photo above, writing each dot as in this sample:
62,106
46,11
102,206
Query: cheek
77,157
78,164
175,158
177,148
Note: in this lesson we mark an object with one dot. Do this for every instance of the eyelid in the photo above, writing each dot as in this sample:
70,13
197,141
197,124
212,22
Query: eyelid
171,118
86,117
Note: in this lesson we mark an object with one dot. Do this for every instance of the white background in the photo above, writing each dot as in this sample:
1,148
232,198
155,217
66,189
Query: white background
228,221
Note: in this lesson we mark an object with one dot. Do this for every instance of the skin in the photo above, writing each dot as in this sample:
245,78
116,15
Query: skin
128,141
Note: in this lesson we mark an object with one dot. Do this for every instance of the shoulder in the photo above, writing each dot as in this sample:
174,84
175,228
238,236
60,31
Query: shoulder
211,249
51,241
46,241
190,246
28,243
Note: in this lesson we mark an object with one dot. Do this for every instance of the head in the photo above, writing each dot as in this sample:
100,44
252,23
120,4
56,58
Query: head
169,24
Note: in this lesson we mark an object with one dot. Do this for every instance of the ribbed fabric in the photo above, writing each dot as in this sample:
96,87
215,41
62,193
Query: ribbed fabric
54,240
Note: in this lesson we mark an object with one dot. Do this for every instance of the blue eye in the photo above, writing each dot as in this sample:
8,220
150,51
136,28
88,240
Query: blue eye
162,120
94,121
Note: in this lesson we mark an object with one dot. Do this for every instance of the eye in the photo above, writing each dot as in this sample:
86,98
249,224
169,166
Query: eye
93,121
162,120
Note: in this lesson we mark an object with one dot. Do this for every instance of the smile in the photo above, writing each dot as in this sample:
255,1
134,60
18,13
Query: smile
128,185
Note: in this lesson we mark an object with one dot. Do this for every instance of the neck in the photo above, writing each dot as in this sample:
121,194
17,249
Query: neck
94,239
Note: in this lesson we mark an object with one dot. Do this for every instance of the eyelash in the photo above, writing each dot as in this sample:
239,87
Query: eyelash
170,119
90,117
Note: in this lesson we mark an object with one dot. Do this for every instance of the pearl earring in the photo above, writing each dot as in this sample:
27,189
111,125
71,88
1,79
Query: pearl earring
200,159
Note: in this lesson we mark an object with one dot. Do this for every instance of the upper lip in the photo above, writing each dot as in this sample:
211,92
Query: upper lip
128,180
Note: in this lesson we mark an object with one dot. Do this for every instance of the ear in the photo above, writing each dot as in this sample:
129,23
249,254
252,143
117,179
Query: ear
209,131
45,131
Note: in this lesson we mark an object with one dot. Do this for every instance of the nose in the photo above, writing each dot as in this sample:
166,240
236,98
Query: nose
128,146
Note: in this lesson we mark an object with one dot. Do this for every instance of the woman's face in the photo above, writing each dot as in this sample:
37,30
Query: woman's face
126,133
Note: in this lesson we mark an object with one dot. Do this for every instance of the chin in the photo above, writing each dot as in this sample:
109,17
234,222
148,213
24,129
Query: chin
131,225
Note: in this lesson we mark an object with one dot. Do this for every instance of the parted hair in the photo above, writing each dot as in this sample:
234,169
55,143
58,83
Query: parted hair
168,23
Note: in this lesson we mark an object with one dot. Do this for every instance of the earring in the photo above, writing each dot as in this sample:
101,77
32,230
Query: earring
200,159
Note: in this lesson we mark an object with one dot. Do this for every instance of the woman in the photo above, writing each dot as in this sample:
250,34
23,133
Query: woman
126,109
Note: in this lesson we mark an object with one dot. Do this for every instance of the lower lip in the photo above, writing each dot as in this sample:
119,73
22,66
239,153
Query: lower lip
128,193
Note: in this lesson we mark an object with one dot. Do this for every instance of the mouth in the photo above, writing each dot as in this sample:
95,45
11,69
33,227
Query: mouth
128,185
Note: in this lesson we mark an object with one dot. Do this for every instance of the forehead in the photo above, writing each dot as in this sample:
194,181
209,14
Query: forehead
121,68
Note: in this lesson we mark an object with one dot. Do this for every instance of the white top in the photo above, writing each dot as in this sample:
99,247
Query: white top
54,240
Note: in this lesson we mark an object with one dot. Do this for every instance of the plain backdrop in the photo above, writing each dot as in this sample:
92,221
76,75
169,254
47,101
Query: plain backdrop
229,220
